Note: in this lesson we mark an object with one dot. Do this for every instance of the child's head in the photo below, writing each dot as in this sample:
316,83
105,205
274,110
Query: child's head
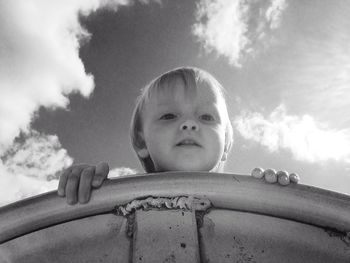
181,122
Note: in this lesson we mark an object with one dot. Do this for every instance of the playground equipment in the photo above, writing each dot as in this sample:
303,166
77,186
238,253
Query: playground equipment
181,217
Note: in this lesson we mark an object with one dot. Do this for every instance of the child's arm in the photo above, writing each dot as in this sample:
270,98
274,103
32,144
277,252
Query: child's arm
271,176
77,182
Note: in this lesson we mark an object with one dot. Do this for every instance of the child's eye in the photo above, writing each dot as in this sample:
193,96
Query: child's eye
168,116
206,117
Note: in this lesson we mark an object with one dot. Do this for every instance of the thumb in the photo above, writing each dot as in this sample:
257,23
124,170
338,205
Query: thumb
101,172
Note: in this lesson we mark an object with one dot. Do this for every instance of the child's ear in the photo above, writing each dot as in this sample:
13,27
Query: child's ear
143,153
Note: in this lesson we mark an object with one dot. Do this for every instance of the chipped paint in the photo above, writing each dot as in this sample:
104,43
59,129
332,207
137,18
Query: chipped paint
130,228
200,217
240,252
343,236
187,203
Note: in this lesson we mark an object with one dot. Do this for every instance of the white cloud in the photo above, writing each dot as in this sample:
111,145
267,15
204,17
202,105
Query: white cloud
39,58
37,155
121,171
31,166
236,27
307,139
39,66
273,13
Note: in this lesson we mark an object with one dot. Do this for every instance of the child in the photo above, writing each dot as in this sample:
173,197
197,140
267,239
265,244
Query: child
180,123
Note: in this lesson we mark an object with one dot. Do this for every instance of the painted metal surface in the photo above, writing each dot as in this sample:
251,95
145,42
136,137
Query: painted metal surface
99,238
232,236
248,221
165,236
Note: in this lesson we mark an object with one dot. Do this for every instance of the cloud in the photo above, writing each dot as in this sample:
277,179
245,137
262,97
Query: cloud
234,28
307,139
274,12
121,171
39,58
31,166
39,67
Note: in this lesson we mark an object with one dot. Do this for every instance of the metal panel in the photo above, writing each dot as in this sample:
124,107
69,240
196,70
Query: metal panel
296,223
296,202
166,236
94,239
232,236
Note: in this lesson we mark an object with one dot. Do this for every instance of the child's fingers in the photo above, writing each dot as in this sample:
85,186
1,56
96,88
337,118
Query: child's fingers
258,173
270,176
101,173
283,178
294,178
61,191
72,185
85,184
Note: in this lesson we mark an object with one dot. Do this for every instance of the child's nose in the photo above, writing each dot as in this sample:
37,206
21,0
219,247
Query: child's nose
189,125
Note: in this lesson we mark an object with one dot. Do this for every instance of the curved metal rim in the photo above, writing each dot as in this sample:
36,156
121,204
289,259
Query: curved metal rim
300,203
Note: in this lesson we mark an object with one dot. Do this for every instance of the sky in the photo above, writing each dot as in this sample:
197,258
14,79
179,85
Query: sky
70,72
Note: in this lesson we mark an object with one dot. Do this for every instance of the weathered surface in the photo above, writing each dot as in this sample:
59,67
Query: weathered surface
165,236
248,221
94,239
226,191
232,236
185,203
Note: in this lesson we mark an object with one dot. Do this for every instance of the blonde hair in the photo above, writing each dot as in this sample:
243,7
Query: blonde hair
189,75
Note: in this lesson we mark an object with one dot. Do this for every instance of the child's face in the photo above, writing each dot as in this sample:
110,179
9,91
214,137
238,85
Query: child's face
185,129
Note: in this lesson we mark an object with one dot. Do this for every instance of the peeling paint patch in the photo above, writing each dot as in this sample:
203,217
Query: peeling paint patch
170,258
187,203
343,236
130,228
200,218
241,252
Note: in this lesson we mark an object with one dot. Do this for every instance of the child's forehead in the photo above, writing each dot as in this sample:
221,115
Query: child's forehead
177,90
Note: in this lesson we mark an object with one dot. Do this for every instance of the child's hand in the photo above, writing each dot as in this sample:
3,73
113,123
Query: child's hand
77,181
271,176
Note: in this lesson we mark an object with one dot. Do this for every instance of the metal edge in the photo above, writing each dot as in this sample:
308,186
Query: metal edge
300,203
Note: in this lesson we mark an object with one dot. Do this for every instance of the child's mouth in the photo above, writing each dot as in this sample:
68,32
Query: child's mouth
188,143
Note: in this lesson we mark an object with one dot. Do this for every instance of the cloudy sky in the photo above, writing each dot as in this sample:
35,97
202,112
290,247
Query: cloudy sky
71,70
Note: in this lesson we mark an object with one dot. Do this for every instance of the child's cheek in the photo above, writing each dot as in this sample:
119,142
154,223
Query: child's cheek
219,129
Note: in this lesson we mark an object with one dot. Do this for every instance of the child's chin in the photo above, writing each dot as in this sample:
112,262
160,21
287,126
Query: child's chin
192,167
